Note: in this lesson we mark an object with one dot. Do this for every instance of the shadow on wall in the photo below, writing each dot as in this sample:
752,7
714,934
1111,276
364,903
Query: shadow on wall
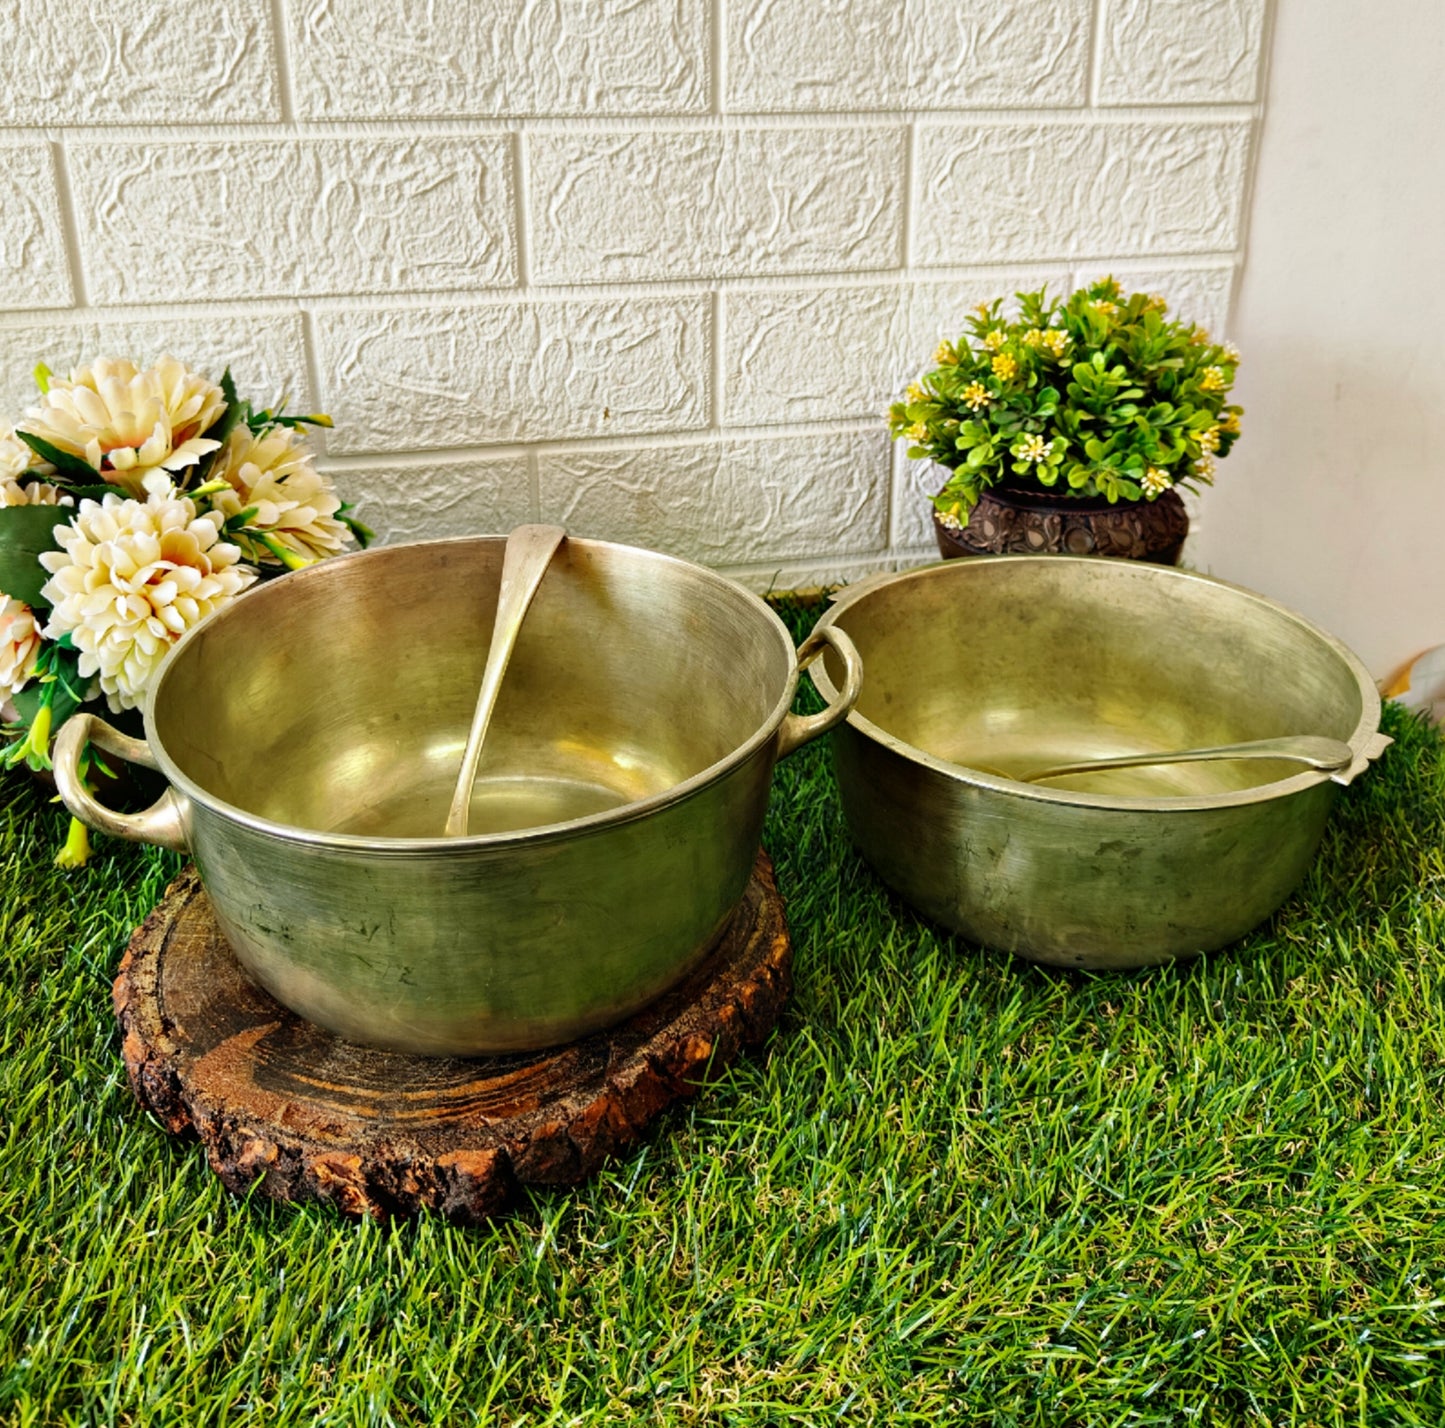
1325,503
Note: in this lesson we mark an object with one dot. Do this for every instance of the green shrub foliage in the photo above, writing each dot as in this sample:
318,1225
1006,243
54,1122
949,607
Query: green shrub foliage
1096,395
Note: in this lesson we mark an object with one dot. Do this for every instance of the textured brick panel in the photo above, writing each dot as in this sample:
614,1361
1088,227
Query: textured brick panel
840,352
821,573
732,502
356,59
168,222
266,354
900,54
450,498
136,61
1002,193
33,267
715,203
912,509
1199,295
413,379
1180,51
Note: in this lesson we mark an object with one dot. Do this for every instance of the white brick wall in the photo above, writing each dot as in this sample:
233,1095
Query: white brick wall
651,267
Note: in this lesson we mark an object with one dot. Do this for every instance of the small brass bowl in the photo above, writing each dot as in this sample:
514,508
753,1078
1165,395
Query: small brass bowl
979,669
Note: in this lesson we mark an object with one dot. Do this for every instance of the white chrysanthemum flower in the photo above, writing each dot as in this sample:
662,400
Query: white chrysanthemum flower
19,645
15,457
33,493
125,421
294,503
1034,448
130,579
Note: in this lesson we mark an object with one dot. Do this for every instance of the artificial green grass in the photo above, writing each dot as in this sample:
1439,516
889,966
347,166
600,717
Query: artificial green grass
956,1188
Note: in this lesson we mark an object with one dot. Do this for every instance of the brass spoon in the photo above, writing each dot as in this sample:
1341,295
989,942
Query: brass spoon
529,552
1313,750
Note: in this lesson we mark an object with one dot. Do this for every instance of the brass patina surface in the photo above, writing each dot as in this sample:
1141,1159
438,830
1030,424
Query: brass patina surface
1014,664
312,733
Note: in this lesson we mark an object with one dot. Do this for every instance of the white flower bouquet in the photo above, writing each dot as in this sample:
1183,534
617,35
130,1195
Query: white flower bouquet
134,502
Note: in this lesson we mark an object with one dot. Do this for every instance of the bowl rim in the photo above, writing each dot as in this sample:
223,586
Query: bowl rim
511,838
1360,741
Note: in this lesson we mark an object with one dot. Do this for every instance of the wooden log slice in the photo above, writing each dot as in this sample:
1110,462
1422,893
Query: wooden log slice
276,1099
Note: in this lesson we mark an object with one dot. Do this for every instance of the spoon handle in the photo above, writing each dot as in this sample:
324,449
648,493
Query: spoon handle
1312,749
529,553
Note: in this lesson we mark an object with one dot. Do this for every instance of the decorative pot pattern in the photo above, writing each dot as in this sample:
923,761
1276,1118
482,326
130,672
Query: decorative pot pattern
1020,523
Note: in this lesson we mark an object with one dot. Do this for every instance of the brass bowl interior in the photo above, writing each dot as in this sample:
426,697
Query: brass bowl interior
338,699
1015,664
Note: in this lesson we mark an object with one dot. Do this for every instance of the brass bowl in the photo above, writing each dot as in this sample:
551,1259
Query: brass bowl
978,669
312,731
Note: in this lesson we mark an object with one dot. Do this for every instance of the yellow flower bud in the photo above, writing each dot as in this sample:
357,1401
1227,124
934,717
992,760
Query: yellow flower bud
288,557
37,741
76,851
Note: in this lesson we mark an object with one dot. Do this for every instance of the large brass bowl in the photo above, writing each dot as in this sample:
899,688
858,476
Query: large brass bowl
312,731
978,669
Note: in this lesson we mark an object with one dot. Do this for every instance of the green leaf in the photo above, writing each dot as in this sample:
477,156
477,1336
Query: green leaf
363,534
64,699
25,531
234,411
65,464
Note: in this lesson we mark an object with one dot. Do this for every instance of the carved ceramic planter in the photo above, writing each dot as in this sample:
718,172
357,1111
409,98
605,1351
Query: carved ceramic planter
1011,522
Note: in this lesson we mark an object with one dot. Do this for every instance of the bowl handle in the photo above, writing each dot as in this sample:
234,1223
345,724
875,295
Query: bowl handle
164,822
799,729
1375,745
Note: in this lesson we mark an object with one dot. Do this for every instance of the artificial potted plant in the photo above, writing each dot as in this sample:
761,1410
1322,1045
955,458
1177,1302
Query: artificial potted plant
1072,427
